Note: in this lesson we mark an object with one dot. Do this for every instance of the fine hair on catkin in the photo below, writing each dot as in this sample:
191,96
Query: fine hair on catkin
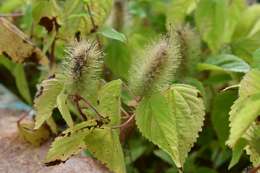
83,66
157,65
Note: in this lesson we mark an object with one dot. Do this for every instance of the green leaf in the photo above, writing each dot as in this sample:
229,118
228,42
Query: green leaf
21,82
164,156
178,10
245,46
10,6
52,125
77,15
256,59
245,39
46,99
27,19
219,118
105,146
17,70
248,20
210,17
63,108
253,149
71,142
243,116
44,8
250,84
113,34
237,151
243,113
235,9
118,58
172,121
109,101
224,62
74,20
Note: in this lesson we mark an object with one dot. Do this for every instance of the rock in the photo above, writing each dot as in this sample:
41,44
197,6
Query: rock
18,156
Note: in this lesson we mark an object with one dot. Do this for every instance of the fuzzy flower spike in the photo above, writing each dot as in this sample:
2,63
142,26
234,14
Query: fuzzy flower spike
83,66
156,67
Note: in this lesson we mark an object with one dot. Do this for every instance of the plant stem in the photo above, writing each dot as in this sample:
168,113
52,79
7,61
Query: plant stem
95,27
83,116
180,170
88,104
125,123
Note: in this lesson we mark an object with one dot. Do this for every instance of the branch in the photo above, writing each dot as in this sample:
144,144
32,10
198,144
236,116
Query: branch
76,101
254,170
88,104
95,27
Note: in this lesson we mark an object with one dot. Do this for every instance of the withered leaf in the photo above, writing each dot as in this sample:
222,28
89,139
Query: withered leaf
16,45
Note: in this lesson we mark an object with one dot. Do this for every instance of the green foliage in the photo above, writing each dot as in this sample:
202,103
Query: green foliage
181,10
221,106
210,20
118,58
109,101
172,121
71,142
17,71
113,34
237,152
246,35
45,100
112,81
225,62
243,116
105,145
62,106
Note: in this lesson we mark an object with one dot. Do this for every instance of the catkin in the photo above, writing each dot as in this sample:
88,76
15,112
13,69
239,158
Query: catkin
190,51
83,66
156,67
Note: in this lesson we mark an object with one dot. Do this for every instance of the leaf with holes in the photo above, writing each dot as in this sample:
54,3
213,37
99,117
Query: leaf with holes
105,146
71,142
46,99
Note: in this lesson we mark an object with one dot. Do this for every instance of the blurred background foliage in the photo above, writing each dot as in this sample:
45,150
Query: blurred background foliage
220,42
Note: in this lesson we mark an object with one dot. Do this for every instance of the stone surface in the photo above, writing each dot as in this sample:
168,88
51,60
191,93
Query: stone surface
17,156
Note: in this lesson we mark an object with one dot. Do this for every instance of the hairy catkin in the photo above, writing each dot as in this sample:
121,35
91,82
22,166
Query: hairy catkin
156,67
82,66
190,51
